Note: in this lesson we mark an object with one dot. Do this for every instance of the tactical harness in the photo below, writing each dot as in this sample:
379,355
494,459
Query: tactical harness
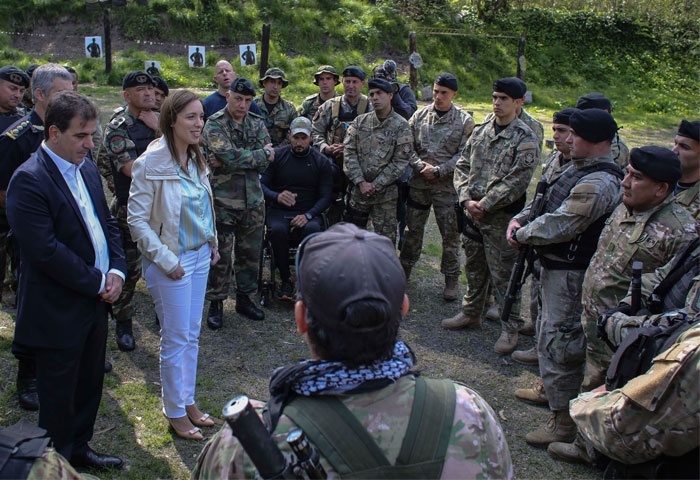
345,443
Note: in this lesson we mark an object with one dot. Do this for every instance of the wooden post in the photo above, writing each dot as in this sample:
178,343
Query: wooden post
107,46
521,57
265,48
412,76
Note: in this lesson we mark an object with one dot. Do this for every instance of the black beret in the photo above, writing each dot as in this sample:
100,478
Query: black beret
14,75
690,129
511,86
30,69
446,80
161,84
594,100
353,71
136,79
242,86
381,84
563,116
593,125
657,163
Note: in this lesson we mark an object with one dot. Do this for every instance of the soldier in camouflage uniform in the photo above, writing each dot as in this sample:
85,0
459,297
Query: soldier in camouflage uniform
126,136
440,132
377,149
277,112
564,235
330,125
371,277
242,150
650,227
620,150
687,147
13,82
17,144
491,178
327,79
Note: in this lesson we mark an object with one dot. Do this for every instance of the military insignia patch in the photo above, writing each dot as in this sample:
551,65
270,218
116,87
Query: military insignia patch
529,158
116,144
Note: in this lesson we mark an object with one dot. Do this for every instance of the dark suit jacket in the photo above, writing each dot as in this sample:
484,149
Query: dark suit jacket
57,299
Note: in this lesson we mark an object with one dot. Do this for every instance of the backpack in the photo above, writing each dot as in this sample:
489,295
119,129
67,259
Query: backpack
20,445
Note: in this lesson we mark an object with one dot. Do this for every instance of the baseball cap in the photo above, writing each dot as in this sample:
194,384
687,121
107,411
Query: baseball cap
345,264
300,125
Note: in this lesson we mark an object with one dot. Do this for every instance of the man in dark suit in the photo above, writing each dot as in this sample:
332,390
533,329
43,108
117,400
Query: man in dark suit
71,268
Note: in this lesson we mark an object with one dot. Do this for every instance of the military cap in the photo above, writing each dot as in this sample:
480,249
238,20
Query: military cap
386,70
446,80
14,75
381,84
326,69
161,84
300,125
511,86
657,163
345,264
562,116
242,86
593,125
690,129
136,79
594,100
274,73
30,69
353,71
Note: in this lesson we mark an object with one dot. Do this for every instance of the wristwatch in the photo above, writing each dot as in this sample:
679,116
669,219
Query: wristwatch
308,216
267,152
436,172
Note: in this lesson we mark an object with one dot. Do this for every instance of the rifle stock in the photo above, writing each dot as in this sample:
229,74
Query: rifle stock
518,272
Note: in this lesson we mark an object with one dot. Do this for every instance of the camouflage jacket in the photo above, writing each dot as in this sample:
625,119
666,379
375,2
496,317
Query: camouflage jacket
311,104
278,120
438,141
653,414
652,237
239,147
594,195
477,447
377,151
328,129
534,124
690,200
495,169
554,165
620,151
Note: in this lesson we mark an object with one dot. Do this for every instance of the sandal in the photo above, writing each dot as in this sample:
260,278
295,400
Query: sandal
192,434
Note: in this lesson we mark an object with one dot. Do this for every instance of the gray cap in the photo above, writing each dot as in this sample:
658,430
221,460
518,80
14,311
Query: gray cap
300,125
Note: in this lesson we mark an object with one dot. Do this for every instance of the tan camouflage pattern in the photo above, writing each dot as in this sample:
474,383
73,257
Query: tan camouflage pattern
311,104
652,237
122,310
325,129
656,413
377,152
477,447
278,120
621,152
116,139
53,465
236,185
690,200
534,124
494,170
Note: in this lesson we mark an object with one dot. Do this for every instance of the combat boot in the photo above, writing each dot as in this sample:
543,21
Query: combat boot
246,307
559,428
528,329
506,343
27,392
406,269
526,357
215,318
493,314
451,291
570,452
535,395
460,321
125,335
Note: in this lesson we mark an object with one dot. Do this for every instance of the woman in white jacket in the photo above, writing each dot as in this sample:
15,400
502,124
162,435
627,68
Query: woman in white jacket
171,218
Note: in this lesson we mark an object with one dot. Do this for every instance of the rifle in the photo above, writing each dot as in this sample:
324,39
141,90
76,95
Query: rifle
636,286
519,273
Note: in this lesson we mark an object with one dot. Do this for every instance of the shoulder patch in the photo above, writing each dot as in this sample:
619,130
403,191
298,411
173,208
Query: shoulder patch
116,143
117,122
119,110
19,130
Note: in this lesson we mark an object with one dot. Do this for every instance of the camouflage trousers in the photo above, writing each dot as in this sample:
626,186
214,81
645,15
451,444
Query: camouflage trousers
243,240
418,210
380,209
535,295
598,354
561,344
490,259
122,310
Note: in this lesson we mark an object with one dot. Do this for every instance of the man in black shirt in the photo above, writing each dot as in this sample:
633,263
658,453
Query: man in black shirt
297,188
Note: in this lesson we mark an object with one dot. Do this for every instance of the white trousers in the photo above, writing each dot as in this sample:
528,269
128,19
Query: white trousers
179,305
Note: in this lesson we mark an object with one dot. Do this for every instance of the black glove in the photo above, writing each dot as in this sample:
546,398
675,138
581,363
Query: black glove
603,319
